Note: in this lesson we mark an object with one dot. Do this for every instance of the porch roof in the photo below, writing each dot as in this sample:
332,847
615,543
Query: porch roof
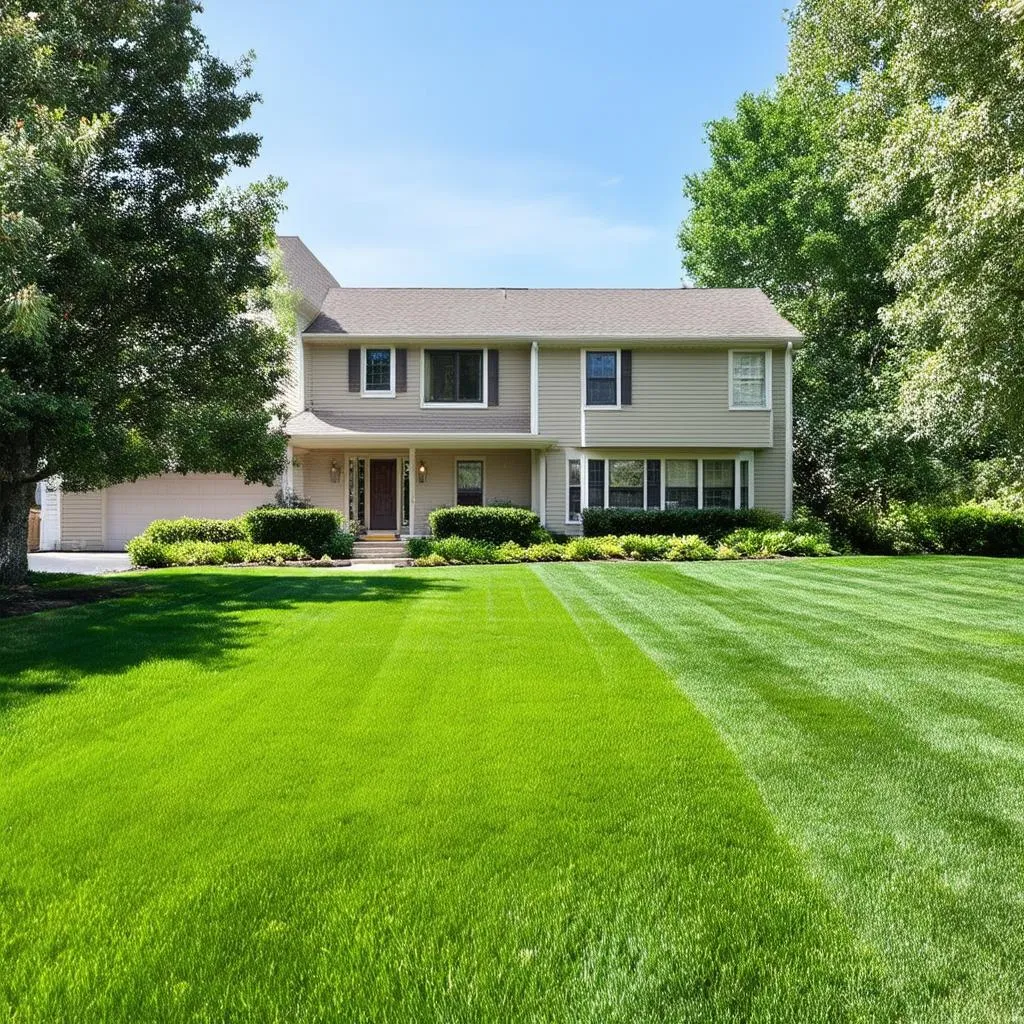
308,430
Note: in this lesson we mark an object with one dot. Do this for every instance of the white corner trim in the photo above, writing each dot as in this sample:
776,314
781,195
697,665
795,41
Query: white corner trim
534,388
789,429
767,353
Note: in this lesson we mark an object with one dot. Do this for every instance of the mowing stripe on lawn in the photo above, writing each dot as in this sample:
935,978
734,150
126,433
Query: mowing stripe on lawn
878,703
421,796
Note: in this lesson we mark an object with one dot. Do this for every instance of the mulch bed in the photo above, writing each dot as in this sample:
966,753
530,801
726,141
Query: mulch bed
27,600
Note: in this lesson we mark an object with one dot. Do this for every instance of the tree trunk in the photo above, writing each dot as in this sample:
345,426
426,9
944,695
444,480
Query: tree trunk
15,502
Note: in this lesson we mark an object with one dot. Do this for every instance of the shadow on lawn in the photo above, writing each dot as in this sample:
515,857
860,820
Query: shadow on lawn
197,617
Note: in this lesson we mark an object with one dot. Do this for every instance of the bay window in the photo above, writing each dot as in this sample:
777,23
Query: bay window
719,483
680,483
626,483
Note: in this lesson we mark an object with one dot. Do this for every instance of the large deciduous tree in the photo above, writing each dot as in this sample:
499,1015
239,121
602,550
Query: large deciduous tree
877,194
131,280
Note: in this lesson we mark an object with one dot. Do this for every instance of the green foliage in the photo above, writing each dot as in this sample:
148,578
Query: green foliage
418,547
170,531
494,524
688,549
154,554
644,547
431,559
954,530
463,550
546,551
129,273
584,549
771,543
712,524
319,530
509,552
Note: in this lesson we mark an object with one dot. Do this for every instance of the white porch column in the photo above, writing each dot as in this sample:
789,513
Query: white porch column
543,488
288,476
412,491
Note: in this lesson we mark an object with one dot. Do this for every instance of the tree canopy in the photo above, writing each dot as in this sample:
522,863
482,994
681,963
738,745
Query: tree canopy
132,281
876,193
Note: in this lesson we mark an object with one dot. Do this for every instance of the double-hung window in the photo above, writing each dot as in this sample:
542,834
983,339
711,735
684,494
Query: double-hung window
453,376
378,371
625,483
469,482
719,483
749,380
602,385
680,483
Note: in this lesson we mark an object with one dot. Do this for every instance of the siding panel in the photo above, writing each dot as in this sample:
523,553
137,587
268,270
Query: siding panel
559,394
81,521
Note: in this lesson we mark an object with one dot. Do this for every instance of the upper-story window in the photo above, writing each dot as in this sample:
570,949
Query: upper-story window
379,372
602,370
453,376
749,380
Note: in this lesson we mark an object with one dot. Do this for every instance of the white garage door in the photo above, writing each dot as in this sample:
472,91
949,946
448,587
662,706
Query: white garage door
132,507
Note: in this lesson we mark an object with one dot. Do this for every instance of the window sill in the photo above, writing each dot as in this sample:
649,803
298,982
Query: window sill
602,408
750,408
377,394
453,405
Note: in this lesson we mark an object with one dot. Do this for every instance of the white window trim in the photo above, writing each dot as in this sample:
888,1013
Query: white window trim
744,456
455,478
767,353
424,404
364,393
569,457
583,380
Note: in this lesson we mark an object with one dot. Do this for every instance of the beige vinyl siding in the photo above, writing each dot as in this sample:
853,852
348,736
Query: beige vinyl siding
315,467
679,397
559,394
81,521
506,478
770,464
326,371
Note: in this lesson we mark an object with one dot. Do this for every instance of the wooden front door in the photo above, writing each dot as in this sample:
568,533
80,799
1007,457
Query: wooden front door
383,497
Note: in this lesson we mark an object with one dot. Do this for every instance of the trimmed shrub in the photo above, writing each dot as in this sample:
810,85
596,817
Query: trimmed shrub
154,555
584,549
724,553
493,524
430,559
462,551
548,551
173,531
689,549
644,548
710,523
509,552
771,543
969,529
315,529
418,547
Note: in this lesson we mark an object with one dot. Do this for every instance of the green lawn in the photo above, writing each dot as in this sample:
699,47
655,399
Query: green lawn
577,793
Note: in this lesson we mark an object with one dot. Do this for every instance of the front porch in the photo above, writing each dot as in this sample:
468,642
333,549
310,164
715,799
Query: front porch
391,493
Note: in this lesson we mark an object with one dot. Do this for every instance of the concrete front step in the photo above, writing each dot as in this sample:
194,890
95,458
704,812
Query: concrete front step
395,563
365,548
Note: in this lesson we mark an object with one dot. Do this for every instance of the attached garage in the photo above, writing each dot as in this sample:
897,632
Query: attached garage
107,520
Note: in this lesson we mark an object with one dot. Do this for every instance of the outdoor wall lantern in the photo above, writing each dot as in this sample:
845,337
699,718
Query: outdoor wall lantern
335,472
421,472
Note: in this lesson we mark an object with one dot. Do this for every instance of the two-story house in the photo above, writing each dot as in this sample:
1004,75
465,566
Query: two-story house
406,399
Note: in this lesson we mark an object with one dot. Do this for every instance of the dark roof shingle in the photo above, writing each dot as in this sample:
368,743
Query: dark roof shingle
306,274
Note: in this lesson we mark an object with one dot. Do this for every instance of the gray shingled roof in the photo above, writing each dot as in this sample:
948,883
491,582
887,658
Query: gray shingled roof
676,313
306,274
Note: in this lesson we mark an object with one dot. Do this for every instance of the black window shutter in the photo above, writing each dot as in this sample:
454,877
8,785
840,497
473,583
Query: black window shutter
492,376
626,369
354,383
654,483
401,369
595,483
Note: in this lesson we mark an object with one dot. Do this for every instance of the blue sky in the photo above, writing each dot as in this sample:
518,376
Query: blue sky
475,143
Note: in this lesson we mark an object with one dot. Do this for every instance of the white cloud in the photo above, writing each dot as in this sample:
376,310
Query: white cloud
419,221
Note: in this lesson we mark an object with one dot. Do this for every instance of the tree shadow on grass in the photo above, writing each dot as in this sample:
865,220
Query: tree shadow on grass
198,617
